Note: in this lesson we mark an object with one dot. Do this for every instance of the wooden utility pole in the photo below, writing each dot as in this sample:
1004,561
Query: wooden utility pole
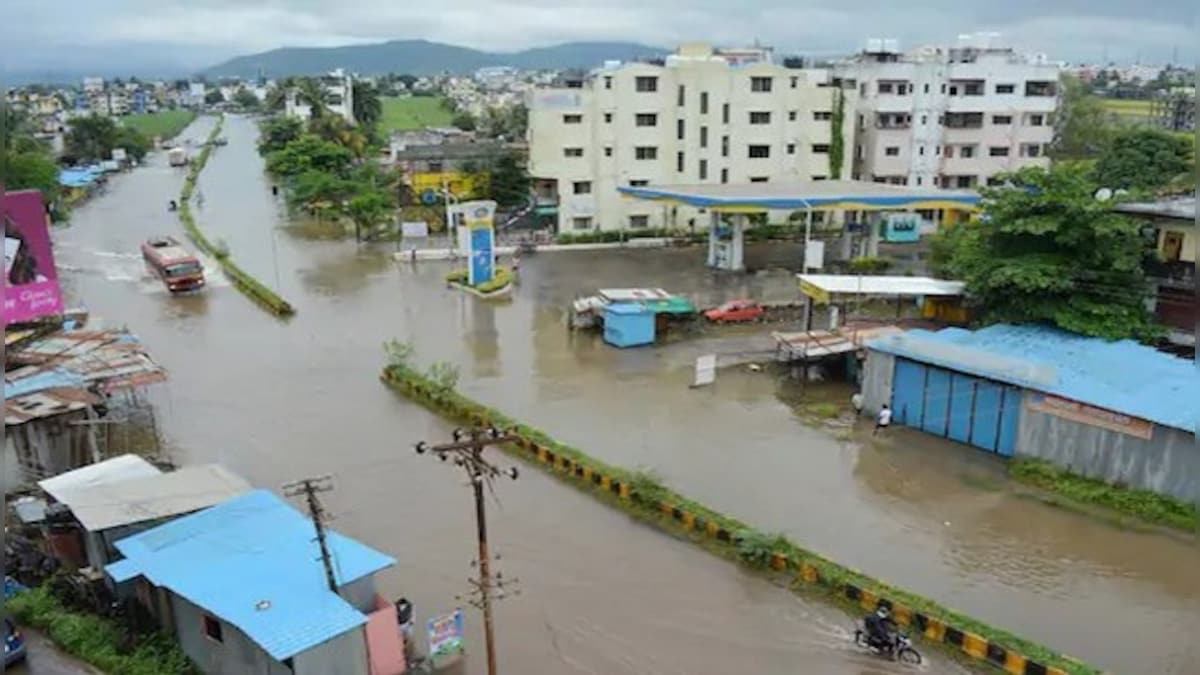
309,487
467,452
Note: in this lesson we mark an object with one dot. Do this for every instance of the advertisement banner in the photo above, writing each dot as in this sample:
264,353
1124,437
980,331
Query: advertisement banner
901,227
1086,414
30,279
445,635
478,218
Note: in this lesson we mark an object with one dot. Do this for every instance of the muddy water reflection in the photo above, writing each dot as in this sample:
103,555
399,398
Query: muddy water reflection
277,401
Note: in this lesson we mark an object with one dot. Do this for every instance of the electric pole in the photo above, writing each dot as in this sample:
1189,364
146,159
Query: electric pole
309,487
467,452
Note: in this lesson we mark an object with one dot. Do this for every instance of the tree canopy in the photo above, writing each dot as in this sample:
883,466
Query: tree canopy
93,138
507,180
277,132
1083,128
30,170
245,99
1144,159
368,108
309,152
1046,251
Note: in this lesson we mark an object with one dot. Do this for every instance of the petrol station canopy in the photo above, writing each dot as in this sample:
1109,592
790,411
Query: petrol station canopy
823,195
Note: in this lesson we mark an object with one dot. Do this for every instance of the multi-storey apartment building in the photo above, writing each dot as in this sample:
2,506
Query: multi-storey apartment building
950,116
338,89
694,117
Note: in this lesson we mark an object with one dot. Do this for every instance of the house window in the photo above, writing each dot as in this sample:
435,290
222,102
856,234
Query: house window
679,162
725,113
892,151
645,152
679,129
581,223
967,151
760,118
1001,120
608,82
212,628
791,148
926,88
1006,88
704,103
1031,150
704,169
760,84
819,116
638,183
820,148
572,152
1037,120
704,137
639,222
724,175
795,81
997,151
724,146
680,96
582,187
645,120
758,179
608,118
965,182
572,119
759,151
645,84
885,87
608,151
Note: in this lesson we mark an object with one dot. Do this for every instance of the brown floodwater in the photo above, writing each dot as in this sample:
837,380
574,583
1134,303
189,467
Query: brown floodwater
278,400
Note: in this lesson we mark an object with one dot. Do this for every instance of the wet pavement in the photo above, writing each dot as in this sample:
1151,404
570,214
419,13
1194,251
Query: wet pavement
279,400
43,658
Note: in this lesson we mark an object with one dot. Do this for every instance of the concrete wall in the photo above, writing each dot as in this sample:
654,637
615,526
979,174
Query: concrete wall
360,594
345,654
877,380
234,655
1168,463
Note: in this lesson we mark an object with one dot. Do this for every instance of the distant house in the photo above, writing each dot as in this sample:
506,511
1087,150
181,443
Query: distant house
242,587
1172,224
114,502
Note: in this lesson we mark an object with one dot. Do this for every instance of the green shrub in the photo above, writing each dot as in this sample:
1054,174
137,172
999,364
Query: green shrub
501,277
757,549
869,265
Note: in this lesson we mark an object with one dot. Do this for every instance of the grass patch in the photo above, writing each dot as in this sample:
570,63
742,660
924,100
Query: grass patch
405,113
1144,505
101,642
823,410
166,124
641,494
502,278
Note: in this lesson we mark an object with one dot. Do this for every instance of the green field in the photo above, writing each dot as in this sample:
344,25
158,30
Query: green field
1128,111
166,124
413,112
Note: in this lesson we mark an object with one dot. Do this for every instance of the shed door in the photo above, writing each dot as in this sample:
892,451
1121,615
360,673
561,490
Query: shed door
908,388
953,405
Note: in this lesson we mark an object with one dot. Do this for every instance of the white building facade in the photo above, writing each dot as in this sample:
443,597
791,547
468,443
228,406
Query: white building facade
698,117
338,90
950,117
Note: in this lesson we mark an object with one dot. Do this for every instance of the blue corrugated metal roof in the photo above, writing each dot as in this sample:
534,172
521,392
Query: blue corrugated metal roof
627,308
253,562
47,379
1121,376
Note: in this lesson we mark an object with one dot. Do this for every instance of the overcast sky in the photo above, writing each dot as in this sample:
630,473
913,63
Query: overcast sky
37,34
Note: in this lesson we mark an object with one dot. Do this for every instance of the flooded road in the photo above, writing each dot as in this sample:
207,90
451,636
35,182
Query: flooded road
279,400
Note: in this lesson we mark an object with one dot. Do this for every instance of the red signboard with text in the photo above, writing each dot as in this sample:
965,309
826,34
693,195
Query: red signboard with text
30,284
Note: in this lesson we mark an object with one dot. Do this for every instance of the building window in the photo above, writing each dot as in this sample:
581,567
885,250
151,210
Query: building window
924,120
608,118
724,175
608,151
1031,150
949,151
1006,88
965,182
212,629
858,152
639,222
679,97
608,82
966,151
572,119
818,116
679,129
760,84
434,167
926,87
820,148
645,152
892,151
581,223
1001,120
645,83
572,152
795,81
582,187
638,183
704,103
645,120
918,180
758,179
679,162
819,178
997,151
725,113
937,149
943,87
704,169
759,151
885,88
760,118
1037,120
791,148
1041,88
724,146
994,181
704,137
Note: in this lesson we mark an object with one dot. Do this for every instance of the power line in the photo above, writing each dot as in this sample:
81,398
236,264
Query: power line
309,487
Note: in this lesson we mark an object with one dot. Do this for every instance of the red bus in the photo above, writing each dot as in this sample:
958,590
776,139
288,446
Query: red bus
178,269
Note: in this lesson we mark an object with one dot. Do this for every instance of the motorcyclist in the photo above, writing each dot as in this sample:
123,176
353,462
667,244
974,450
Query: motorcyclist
880,628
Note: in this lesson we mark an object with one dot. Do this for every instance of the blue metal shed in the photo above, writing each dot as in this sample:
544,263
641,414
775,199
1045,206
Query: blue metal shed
628,324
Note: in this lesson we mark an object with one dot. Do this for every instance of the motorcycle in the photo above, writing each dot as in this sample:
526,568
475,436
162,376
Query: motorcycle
899,649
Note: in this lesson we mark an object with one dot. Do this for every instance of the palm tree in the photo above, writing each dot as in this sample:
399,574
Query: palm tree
368,109
310,91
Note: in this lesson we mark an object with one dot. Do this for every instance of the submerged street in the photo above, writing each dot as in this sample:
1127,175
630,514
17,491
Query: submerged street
280,400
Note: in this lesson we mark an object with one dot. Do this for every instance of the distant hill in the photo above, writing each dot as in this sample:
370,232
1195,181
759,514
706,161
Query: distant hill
421,57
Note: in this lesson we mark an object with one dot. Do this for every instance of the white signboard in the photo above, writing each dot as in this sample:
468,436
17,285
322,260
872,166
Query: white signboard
814,255
118,154
414,230
706,370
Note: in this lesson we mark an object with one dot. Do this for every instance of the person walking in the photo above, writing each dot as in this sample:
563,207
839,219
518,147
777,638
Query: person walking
883,420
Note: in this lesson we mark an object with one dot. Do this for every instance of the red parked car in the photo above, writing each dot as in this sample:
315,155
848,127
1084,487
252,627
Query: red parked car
736,311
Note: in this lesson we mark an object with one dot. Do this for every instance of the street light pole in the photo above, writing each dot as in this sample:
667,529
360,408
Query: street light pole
467,452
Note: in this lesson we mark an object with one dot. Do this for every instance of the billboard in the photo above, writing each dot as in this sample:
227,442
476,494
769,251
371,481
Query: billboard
445,635
901,227
478,217
30,281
